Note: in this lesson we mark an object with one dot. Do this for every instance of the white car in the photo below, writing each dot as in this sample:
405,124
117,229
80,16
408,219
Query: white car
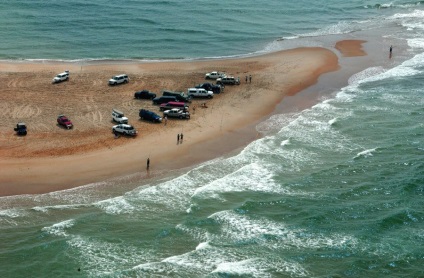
61,77
199,92
177,113
118,116
119,79
124,129
214,75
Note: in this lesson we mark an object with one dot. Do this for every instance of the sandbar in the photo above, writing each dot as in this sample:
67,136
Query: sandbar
51,158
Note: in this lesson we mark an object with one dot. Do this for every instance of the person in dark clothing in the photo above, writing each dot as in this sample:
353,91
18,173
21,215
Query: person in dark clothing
181,137
148,163
178,138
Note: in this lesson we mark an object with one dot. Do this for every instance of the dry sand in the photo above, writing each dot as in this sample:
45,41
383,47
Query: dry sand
52,158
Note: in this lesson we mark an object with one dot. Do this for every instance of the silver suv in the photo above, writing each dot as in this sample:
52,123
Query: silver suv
118,116
64,76
228,80
119,79
124,129
199,92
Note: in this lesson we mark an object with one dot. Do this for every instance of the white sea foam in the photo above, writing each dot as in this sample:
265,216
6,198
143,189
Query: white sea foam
117,205
59,207
417,14
333,121
101,257
365,153
363,75
275,123
259,267
416,43
12,213
236,228
406,69
252,177
285,142
202,245
59,229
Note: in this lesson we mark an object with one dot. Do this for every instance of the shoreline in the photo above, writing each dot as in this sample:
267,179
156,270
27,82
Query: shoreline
48,166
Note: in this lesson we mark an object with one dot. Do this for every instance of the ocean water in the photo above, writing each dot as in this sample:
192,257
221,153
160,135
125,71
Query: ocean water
335,190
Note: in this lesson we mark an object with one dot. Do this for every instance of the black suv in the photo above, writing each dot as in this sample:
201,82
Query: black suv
216,89
21,129
149,116
180,96
164,99
145,94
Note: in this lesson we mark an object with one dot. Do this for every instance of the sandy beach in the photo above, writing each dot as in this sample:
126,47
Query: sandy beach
51,158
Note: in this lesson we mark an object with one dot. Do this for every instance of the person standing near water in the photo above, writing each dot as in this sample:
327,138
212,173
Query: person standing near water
390,51
148,163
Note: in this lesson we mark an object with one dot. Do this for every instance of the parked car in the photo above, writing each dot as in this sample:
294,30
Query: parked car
198,92
118,116
144,94
64,76
214,75
124,129
119,79
64,121
215,88
177,113
180,96
21,129
173,104
228,80
164,99
149,116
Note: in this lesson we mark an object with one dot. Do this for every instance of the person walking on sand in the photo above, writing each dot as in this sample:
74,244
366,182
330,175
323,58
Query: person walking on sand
165,119
148,163
390,51
250,78
246,78
181,137
178,138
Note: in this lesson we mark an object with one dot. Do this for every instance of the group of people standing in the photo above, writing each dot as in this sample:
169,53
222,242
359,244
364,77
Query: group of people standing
180,138
249,78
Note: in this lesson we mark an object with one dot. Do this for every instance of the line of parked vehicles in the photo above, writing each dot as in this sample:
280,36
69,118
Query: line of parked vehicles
172,104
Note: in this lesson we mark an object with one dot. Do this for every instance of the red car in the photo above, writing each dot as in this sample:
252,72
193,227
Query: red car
64,121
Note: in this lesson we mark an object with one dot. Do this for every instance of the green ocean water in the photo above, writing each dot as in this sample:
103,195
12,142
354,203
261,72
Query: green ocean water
334,190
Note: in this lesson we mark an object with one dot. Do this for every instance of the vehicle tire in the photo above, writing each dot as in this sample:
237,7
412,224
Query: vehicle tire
181,117
126,81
